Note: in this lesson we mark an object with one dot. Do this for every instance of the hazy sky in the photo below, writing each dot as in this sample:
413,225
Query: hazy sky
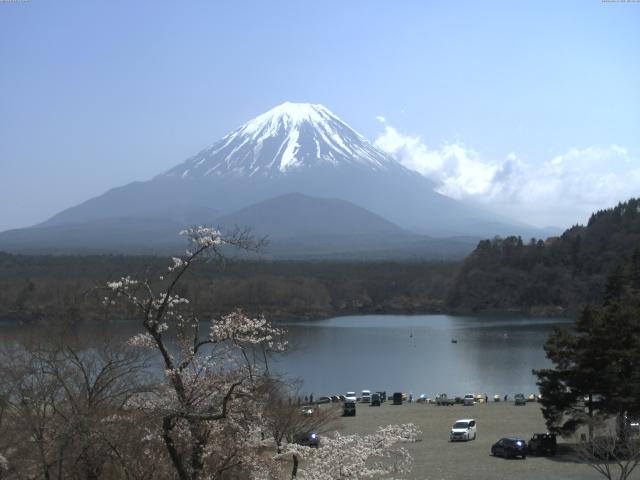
531,109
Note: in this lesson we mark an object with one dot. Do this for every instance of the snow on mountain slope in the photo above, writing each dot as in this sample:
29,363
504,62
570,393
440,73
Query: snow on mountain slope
290,137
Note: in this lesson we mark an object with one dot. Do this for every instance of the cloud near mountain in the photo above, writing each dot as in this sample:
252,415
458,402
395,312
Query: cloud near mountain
560,191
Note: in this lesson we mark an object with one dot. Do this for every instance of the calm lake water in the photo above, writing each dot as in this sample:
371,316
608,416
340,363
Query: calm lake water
492,354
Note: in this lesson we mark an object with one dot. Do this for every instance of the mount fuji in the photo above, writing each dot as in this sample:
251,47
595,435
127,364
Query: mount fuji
293,148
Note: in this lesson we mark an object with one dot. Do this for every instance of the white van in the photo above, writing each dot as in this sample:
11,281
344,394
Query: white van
463,429
366,396
469,400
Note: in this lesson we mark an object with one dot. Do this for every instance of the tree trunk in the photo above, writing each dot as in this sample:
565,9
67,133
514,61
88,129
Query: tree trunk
590,413
294,472
174,455
197,451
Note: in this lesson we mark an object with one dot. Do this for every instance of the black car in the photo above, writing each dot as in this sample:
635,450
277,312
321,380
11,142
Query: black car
397,398
543,444
309,439
349,409
375,400
510,447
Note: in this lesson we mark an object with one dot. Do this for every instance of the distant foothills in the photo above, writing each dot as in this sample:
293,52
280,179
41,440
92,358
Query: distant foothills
555,276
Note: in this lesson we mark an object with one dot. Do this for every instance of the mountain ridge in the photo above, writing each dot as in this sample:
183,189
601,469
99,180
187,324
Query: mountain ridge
296,214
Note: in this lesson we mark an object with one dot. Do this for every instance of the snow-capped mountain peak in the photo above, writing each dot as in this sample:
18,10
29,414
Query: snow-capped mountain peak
289,137
292,114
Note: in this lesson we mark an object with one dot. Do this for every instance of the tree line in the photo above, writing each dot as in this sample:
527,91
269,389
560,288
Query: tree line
558,275
36,287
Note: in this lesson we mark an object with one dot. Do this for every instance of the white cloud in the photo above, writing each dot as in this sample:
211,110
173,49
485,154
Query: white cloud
560,191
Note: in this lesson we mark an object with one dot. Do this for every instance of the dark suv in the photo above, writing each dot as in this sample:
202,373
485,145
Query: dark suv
543,444
510,447
349,409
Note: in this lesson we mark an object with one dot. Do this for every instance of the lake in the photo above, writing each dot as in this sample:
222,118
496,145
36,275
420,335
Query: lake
492,354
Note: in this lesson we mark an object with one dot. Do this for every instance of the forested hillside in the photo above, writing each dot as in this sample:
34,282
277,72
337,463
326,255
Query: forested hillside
40,287
551,276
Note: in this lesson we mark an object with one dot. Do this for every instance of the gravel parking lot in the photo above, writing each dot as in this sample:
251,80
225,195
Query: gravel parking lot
436,458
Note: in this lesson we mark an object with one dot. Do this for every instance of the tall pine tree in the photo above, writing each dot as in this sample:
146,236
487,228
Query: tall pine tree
597,361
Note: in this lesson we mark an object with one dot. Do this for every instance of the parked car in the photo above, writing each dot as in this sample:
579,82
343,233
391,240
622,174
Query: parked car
509,447
307,410
309,439
324,400
350,397
469,400
519,399
397,398
375,400
366,396
443,399
349,409
464,429
383,396
632,424
542,444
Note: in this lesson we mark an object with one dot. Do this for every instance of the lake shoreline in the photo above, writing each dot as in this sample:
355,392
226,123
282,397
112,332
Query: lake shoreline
278,316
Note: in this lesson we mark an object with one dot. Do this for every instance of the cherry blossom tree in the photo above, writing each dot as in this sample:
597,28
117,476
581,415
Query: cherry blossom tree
212,410
208,408
354,456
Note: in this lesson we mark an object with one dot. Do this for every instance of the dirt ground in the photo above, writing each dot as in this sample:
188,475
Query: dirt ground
435,458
